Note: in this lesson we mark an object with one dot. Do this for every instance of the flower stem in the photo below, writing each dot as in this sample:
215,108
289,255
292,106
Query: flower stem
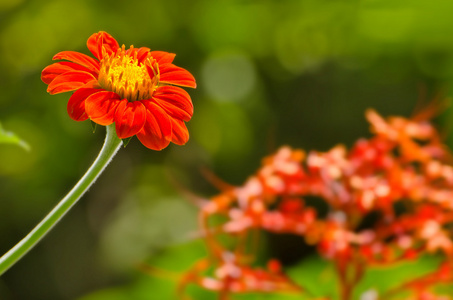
111,145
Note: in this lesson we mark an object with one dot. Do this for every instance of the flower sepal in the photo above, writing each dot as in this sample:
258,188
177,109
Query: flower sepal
126,141
93,126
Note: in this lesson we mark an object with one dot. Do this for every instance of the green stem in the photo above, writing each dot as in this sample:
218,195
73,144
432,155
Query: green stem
111,145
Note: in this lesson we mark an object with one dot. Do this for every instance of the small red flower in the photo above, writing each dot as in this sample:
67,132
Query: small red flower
137,89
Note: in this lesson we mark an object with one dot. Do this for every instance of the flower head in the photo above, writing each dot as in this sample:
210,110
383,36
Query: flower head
135,88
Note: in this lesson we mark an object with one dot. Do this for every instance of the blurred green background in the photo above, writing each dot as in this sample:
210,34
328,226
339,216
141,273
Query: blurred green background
269,73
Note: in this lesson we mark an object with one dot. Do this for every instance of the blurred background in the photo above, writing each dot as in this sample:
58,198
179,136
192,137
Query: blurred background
269,73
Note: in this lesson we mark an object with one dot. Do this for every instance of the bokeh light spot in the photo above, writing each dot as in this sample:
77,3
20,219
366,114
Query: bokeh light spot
228,76
223,129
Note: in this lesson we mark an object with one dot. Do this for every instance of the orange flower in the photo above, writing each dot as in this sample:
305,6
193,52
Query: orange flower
135,88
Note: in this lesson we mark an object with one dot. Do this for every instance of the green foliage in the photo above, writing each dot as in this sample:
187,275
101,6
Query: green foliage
386,278
315,275
165,269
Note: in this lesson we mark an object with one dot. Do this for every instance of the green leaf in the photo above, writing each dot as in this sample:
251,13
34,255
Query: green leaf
126,141
7,137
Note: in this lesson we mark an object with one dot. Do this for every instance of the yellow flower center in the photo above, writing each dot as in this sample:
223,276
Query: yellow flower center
123,74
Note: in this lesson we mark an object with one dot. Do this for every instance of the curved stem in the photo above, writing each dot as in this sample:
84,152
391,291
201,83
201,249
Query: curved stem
111,145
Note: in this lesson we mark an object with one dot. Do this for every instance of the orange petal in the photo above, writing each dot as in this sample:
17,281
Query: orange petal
175,101
129,118
69,81
175,75
100,40
142,53
79,58
163,57
156,133
76,103
180,134
50,72
101,107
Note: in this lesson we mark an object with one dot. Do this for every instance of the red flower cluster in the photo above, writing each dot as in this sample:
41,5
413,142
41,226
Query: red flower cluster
230,275
389,198
135,88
